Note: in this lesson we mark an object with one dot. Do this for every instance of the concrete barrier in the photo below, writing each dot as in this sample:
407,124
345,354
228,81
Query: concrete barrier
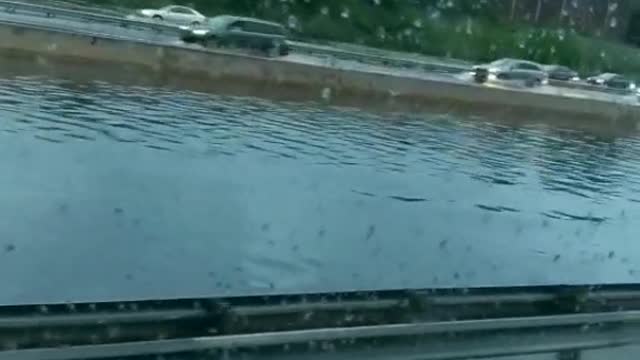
177,63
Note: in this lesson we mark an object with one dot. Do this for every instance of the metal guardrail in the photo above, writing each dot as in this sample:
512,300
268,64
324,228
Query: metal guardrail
312,49
78,5
430,324
57,12
321,343
589,87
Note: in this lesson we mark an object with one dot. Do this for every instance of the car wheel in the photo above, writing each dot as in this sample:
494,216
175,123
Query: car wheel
283,50
195,23
266,48
157,18
480,77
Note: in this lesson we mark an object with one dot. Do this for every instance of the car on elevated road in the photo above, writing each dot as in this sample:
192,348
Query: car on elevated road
613,81
242,32
532,74
180,15
561,73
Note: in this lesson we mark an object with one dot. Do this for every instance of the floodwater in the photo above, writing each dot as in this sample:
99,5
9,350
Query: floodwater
120,192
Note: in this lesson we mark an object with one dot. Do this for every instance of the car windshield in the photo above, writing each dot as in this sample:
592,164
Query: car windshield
501,62
526,66
319,179
561,69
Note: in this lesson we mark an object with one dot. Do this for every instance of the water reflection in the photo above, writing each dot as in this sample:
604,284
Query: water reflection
115,191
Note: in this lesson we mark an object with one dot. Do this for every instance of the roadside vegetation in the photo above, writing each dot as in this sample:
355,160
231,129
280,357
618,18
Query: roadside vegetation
435,27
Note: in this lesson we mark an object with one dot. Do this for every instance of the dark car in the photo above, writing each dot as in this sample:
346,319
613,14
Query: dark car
242,32
561,73
612,81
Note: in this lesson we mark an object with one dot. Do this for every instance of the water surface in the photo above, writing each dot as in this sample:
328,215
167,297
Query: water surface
122,192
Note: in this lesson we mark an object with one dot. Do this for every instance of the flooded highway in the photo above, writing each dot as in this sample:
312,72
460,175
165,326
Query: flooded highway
129,192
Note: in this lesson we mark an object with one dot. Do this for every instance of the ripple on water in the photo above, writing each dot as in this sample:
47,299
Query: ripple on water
431,173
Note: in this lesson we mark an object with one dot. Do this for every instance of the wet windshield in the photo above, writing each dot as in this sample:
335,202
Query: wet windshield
439,179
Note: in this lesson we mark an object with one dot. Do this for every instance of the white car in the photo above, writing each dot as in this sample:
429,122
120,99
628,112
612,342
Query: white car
531,73
174,14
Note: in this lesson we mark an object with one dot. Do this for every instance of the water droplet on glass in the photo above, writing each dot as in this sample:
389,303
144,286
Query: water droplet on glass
561,35
469,29
326,94
293,23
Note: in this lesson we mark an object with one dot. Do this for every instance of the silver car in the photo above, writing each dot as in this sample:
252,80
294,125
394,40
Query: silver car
532,74
175,14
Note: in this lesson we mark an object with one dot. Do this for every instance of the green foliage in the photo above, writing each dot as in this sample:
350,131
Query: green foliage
464,29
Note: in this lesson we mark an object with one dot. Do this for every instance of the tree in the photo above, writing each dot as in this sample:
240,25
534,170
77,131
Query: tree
538,11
